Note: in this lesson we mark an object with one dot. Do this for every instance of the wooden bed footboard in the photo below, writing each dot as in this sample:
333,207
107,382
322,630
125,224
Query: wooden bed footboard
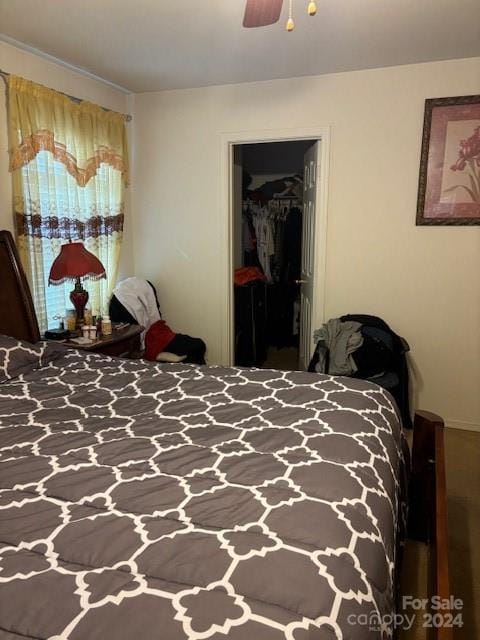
17,313
428,508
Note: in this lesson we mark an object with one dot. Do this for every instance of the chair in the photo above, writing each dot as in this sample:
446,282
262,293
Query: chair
180,347
381,358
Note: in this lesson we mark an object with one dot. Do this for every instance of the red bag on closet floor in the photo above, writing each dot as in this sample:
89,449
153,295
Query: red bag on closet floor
157,338
244,275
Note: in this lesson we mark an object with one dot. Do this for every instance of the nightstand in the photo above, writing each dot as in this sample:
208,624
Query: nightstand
122,343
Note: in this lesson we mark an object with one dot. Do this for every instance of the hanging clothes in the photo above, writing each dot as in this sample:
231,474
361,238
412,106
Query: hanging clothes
278,257
265,241
292,262
249,239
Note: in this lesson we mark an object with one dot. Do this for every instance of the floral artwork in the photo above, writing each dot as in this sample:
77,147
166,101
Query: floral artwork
449,184
469,159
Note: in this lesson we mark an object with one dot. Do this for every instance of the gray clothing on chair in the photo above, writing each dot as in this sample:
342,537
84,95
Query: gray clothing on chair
341,339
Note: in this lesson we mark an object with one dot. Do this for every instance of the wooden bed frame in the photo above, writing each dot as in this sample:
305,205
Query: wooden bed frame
428,520
17,313
428,498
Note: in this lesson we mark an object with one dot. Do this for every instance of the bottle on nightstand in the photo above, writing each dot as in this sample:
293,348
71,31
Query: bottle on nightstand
99,326
87,316
106,326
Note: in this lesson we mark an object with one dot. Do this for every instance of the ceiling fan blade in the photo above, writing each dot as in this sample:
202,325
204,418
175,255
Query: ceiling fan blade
260,13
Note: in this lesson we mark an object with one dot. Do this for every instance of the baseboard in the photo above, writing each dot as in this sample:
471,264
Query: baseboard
461,424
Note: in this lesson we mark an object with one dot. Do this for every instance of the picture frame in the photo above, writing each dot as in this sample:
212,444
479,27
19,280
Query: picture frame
449,179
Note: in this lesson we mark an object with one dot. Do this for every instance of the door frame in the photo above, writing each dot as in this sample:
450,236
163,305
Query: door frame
228,141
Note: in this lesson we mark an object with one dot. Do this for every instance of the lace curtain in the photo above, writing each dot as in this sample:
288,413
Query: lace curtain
69,168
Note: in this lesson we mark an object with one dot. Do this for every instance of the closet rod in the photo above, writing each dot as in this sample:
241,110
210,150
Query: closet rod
127,116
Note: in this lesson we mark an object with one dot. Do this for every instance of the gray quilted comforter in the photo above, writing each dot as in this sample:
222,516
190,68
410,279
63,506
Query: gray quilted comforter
164,502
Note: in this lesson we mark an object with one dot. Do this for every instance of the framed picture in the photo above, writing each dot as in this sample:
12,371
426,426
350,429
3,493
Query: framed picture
449,183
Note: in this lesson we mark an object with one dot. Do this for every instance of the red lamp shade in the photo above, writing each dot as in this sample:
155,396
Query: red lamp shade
73,262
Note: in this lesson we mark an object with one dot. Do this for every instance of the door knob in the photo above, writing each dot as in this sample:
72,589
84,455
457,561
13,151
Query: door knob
300,282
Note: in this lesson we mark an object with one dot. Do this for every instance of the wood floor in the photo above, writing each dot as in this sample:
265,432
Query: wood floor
285,359
463,488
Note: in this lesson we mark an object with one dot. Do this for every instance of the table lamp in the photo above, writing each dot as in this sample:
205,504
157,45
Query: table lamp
72,263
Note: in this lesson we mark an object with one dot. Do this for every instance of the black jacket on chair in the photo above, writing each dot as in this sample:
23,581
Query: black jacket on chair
381,358
384,349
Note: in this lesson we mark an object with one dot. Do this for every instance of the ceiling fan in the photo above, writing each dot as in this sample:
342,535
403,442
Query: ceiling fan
260,13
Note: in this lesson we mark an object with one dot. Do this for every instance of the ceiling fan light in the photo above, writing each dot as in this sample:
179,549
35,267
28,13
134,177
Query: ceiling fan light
312,8
290,25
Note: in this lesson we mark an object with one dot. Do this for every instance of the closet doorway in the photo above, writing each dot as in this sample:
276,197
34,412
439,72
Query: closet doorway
274,204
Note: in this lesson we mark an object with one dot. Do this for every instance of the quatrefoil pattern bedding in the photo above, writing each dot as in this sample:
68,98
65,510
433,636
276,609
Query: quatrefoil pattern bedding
165,502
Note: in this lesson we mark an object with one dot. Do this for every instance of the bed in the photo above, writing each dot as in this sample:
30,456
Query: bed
171,502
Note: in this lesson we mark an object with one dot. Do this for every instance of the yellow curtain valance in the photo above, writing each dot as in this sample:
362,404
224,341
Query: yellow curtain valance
80,135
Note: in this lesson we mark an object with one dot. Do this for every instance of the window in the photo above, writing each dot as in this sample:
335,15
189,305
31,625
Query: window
58,210
69,168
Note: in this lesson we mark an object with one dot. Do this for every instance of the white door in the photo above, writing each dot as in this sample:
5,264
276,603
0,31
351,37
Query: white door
311,175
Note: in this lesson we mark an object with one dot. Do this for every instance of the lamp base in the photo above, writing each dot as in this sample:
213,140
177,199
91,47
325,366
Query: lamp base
79,298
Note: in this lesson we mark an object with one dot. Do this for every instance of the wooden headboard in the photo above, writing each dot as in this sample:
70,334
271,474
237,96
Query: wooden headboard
17,313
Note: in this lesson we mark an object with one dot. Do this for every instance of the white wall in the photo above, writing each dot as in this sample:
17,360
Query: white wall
55,76
425,281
